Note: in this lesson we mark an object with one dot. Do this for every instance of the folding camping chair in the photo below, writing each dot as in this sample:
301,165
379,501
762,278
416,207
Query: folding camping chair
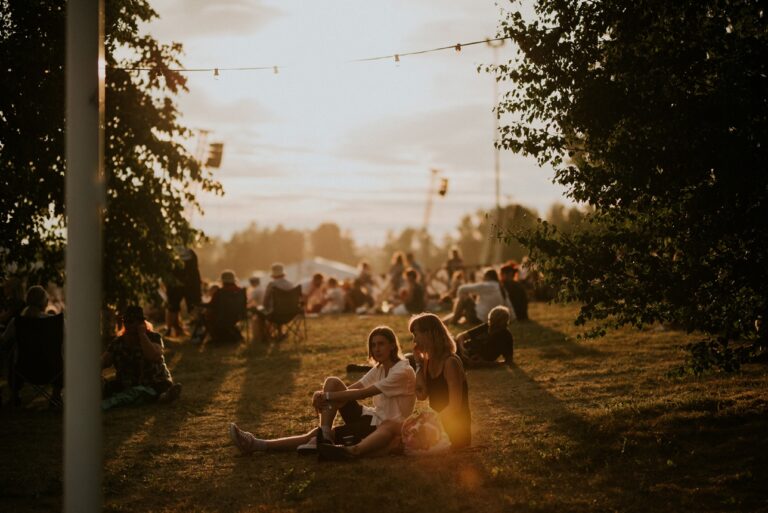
37,358
287,313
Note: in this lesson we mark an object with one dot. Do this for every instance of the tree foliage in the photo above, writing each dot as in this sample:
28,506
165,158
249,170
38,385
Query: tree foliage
150,175
654,114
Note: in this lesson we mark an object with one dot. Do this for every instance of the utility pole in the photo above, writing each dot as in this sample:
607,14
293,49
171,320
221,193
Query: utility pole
85,71
493,254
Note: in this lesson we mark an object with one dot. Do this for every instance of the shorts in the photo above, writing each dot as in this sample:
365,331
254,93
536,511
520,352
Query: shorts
356,425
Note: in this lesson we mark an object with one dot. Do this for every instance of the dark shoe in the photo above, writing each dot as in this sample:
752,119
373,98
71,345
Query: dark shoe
328,452
171,394
308,448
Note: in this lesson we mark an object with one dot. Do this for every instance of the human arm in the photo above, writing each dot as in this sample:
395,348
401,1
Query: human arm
422,363
454,376
151,351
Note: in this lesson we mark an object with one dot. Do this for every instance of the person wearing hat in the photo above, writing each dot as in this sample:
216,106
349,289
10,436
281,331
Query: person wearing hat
141,374
226,308
278,281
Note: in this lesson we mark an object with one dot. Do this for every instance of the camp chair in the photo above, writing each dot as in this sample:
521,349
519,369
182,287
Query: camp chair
287,313
228,311
37,357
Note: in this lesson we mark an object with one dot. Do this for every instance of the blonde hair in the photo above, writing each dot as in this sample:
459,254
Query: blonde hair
442,341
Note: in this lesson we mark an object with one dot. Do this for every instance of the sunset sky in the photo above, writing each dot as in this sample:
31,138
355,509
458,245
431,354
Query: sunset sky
350,143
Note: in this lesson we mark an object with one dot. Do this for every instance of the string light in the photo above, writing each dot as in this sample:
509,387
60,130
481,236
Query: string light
457,47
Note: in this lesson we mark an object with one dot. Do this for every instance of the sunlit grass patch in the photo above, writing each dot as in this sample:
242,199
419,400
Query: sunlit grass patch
576,425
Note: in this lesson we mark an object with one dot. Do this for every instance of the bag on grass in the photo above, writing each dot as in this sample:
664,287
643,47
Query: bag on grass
423,433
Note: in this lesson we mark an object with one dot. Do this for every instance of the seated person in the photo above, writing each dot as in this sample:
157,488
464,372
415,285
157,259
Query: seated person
312,293
483,344
413,295
225,310
255,293
333,301
278,281
366,430
358,298
36,307
489,293
140,371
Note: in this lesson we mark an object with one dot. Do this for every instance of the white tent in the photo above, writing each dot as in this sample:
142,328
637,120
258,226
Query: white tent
329,268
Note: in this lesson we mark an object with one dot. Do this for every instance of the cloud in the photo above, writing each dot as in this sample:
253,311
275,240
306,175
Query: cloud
460,138
203,18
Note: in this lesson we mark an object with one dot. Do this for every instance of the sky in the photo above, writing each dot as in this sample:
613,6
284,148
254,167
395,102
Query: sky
352,143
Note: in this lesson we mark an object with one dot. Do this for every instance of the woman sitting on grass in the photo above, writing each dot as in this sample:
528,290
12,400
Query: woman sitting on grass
440,377
391,383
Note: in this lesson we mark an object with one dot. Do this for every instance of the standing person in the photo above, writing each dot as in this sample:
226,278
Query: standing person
391,383
365,275
411,263
518,296
454,263
255,293
185,285
396,271
489,293
13,300
440,377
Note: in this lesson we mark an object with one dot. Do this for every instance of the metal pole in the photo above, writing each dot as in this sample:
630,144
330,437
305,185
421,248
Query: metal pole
84,203
430,195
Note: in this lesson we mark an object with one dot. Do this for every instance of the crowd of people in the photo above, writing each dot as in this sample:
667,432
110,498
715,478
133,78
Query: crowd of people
136,371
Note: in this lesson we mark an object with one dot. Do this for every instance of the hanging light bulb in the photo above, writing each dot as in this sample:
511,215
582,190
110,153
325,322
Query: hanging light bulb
275,70
458,47
397,58
215,72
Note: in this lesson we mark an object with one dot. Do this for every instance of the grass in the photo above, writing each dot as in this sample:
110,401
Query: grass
575,426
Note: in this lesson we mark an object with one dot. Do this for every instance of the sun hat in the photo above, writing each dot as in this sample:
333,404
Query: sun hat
277,271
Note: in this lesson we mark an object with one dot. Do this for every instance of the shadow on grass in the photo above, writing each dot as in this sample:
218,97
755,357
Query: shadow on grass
550,343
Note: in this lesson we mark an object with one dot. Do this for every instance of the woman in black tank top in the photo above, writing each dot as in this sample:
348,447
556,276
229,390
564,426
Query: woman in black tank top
440,377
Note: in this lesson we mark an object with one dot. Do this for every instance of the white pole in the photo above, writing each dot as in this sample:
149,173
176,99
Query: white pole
84,204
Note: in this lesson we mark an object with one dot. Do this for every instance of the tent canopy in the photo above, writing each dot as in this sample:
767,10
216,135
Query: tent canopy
299,271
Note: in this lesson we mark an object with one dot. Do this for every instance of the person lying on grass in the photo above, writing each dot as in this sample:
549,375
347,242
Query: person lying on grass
366,431
482,345
441,377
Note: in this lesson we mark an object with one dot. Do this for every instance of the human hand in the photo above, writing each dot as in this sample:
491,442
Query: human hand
318,401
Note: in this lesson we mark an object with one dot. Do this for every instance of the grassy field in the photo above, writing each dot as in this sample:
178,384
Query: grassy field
574,426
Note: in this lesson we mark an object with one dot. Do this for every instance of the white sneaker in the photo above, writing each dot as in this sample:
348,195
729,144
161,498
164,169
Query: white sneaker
240,439
309,447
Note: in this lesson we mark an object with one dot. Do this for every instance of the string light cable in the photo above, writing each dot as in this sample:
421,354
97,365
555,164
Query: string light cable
276,69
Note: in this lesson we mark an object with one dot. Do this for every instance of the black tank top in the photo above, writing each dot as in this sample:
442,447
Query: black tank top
458,426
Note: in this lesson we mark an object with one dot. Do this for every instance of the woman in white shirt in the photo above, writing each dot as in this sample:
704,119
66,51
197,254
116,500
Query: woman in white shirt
366,430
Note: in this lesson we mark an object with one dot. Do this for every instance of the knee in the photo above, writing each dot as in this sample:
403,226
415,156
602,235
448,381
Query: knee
390,427
333,384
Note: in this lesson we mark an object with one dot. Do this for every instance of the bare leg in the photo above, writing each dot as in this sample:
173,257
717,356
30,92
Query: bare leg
289,443
332,384
378,441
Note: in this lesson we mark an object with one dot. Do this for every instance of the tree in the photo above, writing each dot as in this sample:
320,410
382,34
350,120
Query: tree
149,173
328,242
653,113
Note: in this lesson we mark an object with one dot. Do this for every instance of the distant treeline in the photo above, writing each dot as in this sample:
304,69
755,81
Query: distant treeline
256,247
